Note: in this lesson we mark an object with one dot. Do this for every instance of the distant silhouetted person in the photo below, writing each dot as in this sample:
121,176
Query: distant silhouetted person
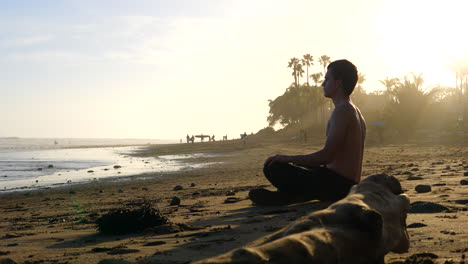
243,138
192,139
329,173
188,138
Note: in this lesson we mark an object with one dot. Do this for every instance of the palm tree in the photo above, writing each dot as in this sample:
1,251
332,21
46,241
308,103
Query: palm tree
299,72
293,62
308,60
324,61
316,77
407,102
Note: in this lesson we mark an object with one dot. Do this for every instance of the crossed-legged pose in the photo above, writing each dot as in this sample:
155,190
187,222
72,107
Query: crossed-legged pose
329,173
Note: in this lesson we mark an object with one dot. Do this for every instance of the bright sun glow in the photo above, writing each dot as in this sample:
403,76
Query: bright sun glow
424,37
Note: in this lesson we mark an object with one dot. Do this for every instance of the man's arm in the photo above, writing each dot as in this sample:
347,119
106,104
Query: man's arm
335,139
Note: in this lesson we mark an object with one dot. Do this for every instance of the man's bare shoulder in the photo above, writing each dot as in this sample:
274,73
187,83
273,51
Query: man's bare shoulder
345,111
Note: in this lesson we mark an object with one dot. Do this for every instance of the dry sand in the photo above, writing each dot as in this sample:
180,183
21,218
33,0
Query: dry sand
57,225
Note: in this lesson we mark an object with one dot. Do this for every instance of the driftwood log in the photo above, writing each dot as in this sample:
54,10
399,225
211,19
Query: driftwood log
361,228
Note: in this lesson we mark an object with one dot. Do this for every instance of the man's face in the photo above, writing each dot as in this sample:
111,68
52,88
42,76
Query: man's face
330,85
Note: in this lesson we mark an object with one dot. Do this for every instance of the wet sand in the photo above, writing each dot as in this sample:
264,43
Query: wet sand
57,225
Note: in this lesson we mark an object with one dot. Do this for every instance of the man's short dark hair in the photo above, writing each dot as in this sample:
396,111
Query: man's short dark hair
345,71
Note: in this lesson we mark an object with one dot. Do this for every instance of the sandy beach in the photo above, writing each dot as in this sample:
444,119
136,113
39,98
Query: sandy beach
215,215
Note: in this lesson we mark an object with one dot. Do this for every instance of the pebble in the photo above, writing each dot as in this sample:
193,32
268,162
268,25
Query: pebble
117,166
90,171
421,207
175,201
414,178
416,225
120,190
465,173
464,182
192,185
178,188
422,188
232,200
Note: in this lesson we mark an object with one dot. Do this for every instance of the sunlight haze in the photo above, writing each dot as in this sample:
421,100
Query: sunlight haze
164,69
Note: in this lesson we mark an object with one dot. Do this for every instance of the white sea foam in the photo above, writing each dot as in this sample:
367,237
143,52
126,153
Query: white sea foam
40,163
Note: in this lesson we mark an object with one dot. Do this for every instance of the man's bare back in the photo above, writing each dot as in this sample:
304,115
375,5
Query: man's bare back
347,160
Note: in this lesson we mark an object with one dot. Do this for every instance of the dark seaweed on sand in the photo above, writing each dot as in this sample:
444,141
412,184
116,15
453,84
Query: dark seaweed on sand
130,220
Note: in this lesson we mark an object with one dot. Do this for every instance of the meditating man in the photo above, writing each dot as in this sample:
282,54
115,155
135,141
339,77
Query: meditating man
327,174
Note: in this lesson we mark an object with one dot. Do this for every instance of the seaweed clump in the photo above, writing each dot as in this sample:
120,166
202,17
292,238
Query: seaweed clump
131,220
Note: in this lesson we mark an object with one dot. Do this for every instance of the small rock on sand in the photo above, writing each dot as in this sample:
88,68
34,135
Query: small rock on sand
464,182
178,188
232,200
422,188
90,171
421,207
465,173
416,225
175,201
414,178
117,166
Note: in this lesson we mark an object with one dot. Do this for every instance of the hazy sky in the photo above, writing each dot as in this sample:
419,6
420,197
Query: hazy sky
162,69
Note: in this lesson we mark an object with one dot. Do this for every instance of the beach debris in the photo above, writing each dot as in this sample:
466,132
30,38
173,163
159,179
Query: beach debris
422,188
447,167
232,200
421,207
230,193
131,220
175,201
117,166
416,225
178,188
7,261
464,182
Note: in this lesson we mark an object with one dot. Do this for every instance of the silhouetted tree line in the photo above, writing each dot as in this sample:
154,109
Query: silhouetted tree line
404,106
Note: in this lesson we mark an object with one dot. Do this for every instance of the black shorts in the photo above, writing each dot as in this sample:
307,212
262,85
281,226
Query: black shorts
318,183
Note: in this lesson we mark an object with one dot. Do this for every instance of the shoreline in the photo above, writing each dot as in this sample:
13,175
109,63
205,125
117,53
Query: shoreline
50,225
116,164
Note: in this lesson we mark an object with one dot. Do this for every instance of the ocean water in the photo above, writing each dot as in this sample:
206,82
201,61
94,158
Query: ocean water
27,164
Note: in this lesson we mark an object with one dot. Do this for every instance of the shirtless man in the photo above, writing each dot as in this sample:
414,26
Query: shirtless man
329,173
